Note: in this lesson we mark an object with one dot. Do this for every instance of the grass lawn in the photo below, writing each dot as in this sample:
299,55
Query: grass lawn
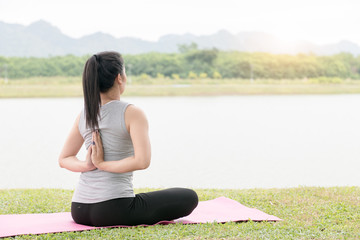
307,213
71,87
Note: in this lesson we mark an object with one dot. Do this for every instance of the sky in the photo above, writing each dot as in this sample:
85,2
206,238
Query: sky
317,21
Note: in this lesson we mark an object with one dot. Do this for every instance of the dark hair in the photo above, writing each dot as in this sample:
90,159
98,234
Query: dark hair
99,75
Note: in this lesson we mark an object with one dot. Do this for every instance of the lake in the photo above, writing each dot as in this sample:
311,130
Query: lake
200,142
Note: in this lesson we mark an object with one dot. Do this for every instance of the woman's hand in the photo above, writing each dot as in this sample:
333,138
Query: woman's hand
89,164
97,152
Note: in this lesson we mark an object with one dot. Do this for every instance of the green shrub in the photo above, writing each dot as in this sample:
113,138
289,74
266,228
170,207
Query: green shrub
203,75
175,76
321,80
192,75
216,75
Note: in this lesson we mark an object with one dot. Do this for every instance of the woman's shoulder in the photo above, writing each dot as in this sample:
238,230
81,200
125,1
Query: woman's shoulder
134,114
134,111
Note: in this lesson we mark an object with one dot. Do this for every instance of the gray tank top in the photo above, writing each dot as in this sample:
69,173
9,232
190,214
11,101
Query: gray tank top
97,186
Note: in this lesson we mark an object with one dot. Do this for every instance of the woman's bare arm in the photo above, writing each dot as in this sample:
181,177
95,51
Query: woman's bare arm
137,125
73,143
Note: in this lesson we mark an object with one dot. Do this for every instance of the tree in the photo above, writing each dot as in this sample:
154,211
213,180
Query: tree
184,48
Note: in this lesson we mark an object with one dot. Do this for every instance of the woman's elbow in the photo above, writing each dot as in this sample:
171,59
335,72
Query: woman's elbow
61,162
144,164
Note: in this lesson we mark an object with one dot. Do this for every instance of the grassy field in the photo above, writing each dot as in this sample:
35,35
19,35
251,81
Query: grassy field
71,87
307,213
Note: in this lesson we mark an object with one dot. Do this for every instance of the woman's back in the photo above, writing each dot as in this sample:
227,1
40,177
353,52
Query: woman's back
104,196
95,186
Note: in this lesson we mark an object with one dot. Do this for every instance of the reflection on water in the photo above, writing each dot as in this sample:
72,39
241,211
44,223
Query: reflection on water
203,142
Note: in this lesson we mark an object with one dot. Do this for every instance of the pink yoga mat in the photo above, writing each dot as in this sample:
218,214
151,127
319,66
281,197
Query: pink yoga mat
219,210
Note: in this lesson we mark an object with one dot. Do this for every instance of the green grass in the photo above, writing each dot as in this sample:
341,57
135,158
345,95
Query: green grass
71,87
307,213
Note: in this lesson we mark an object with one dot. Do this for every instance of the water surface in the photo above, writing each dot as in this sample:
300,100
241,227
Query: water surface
202,142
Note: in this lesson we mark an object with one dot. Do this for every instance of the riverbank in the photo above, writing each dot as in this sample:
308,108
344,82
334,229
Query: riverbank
71,87
307,213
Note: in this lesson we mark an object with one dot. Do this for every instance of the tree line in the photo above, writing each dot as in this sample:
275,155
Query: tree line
192,62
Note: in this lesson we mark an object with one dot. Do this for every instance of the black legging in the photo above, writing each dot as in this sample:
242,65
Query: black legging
144,208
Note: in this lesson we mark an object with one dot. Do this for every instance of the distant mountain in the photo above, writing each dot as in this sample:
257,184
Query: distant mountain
41,39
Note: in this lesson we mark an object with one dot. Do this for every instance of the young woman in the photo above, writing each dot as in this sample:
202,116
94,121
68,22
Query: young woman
115,134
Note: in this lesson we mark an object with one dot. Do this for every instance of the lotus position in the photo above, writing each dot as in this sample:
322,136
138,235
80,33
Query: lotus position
115,134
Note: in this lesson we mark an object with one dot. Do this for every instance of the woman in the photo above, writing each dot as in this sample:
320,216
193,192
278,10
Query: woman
116,137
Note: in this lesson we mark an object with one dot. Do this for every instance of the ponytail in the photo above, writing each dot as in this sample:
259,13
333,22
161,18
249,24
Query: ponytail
91,91
99,75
